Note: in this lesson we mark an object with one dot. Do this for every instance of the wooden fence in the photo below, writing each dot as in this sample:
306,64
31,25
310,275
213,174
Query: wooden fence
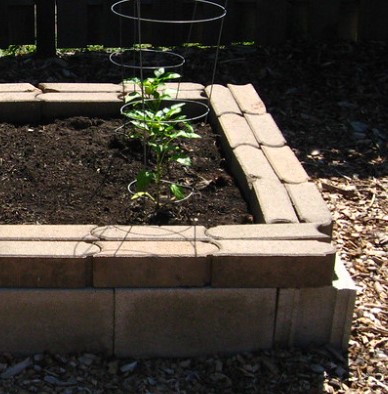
77,23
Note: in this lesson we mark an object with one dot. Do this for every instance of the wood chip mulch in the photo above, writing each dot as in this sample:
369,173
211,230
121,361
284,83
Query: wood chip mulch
330,100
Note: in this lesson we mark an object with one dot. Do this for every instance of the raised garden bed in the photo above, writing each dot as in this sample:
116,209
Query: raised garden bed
178,290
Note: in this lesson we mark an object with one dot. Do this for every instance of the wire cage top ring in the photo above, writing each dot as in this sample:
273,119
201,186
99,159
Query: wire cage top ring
220,12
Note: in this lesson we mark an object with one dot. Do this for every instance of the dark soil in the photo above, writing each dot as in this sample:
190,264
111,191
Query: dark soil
77,171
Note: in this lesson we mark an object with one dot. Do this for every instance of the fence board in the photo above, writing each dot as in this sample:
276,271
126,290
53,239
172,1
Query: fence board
4,36
348,20
72,23
17,25
23,17
271,21
324,17
45,32
373,20
298,19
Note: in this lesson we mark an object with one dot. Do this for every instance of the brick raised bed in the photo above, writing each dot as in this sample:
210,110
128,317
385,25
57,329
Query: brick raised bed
178,290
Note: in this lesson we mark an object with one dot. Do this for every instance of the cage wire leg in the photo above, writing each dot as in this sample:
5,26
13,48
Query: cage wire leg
217,52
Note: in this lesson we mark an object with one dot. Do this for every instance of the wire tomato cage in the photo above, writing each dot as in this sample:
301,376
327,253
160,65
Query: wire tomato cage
141,14
142,58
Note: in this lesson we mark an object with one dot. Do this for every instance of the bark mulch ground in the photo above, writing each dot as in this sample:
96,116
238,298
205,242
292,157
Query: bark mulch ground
329,99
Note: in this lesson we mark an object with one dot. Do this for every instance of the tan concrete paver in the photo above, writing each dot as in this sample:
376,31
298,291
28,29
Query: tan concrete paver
283,231
286,164
273,203
45,272
47,249
265,130
18,87
62,87
192,322
247,99
222,100
253,163
19,107
155,248
58,321
79,104
46,232
309,205
344,307
236,131
46,264
298,322
148,233
186,86
270,263
186,90
152,264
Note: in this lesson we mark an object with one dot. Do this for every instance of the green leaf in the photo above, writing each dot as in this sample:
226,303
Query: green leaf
177,191
168,76
181,159
159,72
185,134
168,93
132,96
134,80
144,179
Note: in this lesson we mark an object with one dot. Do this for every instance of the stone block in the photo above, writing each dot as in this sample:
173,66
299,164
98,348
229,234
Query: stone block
193,322
286,164
247,99
58,321
187,91
271,203
253,164
59,105
18,88
309,205
152,264
283,231
236,131
46,264
62,87
19,107
47,249
186,86
222,100
150,233
344,307
272,263
46,232
265,130
298,323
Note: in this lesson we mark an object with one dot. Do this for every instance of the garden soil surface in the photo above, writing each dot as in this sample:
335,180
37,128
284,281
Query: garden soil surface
77,171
